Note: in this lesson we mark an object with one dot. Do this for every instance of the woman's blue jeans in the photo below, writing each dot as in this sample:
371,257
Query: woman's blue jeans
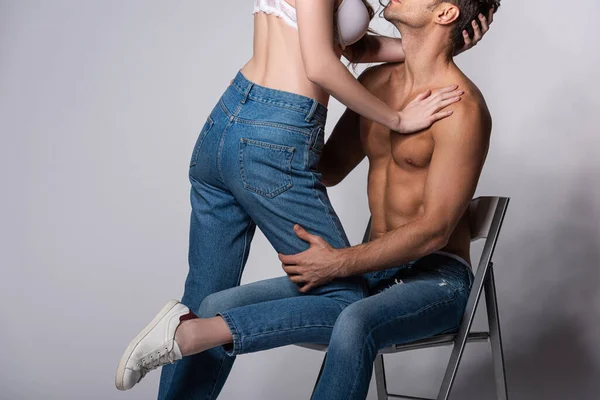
254,164
412,302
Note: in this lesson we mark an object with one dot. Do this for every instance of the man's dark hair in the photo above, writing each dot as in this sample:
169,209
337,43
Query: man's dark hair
469,10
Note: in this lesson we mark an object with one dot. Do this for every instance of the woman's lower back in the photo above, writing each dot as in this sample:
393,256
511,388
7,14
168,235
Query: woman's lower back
277,60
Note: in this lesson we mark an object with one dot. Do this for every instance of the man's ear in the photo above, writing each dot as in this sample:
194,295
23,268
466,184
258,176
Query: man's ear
446,13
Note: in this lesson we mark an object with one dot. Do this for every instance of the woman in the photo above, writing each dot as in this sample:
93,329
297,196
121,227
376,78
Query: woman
255,164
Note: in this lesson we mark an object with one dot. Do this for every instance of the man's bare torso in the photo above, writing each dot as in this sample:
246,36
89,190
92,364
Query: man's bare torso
399,164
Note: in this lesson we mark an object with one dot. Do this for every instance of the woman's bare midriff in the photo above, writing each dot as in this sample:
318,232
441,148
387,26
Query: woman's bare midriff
277,61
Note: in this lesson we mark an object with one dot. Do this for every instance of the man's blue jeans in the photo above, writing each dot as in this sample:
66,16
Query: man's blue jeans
254,164
415,301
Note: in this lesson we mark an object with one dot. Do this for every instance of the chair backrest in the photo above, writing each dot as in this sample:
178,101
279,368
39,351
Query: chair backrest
481,215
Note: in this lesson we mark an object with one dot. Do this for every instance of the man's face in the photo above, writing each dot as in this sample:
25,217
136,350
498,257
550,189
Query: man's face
413,13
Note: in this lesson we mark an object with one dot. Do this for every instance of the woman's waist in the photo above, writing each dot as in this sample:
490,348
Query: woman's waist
246,100
284,74
277,59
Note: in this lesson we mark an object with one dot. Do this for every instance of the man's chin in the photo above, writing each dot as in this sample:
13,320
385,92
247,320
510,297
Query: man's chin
387,14
391,16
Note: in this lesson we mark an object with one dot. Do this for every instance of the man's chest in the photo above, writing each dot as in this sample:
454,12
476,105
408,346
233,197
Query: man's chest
383,146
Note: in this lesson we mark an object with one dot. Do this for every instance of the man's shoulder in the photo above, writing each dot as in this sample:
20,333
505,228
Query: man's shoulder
471,115
472,106
474,100
377,75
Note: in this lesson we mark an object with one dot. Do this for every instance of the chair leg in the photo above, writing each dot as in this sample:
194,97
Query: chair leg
495,336
319,376
451,370
463,333
380,382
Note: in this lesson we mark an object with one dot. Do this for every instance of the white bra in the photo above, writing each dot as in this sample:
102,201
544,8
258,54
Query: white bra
352,18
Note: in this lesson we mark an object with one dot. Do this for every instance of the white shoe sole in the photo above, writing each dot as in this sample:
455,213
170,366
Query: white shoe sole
119,377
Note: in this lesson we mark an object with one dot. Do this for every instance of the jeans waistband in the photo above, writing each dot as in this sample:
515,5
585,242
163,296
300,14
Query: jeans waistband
311,107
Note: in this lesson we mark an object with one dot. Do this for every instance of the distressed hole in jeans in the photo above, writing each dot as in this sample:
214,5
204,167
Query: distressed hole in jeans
396,282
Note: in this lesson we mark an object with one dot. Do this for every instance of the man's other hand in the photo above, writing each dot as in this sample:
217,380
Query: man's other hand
478,32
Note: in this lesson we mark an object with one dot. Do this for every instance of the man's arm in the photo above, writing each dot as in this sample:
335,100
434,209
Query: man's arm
343,150
461,144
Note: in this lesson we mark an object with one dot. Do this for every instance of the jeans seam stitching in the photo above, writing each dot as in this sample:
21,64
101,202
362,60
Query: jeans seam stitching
222,141
240,269
272,125
236,338
207,128
273,193
255,335
236,87
278,103
220,152
362,350
267,145
340,236
306,157
422,309
224,108
283,105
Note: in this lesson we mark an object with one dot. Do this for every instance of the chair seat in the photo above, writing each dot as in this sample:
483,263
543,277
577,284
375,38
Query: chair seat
434,341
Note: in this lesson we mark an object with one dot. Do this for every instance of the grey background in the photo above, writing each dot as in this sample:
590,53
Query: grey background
100,105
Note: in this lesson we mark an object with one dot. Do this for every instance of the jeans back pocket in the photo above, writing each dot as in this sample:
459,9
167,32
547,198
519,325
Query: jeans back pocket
205,129
266,168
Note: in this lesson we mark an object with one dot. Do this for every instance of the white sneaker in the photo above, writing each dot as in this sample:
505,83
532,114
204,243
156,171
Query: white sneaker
153,347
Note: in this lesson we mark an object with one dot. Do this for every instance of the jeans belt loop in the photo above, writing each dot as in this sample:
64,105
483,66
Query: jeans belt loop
312,110
247,92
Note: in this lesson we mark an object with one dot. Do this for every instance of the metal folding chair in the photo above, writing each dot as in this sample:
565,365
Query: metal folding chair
486,217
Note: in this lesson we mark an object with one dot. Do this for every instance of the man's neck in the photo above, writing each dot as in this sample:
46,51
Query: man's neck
426,57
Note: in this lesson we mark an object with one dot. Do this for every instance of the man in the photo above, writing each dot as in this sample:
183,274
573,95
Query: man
416,264
419,188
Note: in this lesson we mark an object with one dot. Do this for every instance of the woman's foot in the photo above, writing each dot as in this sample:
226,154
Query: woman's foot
153,347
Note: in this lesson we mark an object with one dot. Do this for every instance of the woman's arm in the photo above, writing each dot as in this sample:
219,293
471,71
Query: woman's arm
324,68
374,49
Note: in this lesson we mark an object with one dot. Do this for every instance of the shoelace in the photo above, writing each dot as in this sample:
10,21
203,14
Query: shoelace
154,360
